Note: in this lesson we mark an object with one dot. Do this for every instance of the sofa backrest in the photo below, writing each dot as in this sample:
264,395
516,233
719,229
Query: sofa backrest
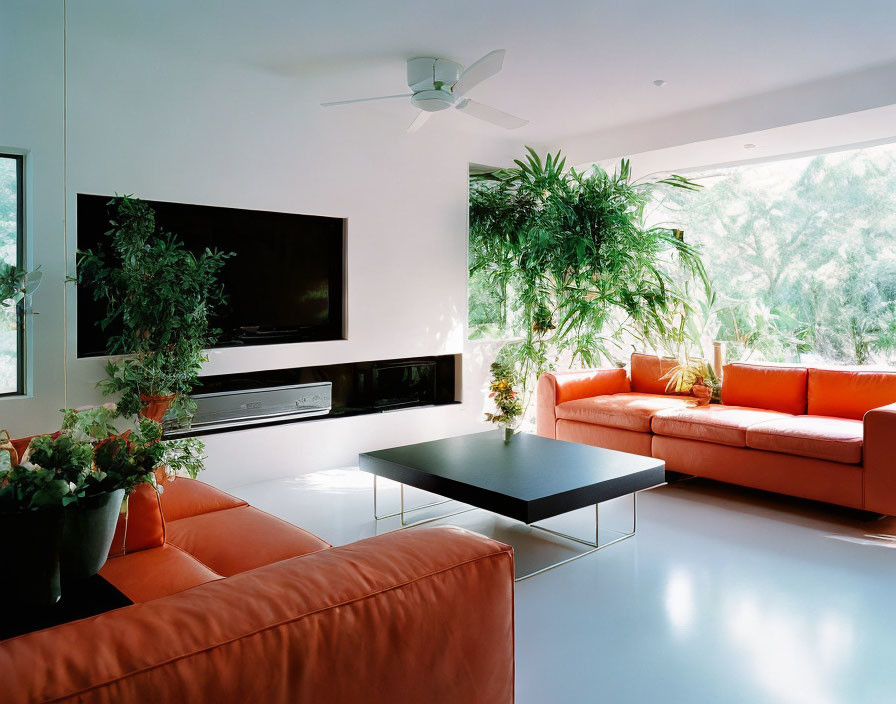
773,388
849,393
647,372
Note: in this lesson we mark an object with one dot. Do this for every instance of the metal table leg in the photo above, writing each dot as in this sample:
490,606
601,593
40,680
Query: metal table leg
595,546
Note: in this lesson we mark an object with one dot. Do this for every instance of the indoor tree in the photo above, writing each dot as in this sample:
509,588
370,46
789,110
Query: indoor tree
570,257
158,297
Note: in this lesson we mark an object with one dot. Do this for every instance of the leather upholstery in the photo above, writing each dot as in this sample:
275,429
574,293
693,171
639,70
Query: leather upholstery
603,436
630,411
150,574
647,371
723,424
849,393
821,480
407,617
183,497
559,387
880,460
239,539
143,527
757,386
835,439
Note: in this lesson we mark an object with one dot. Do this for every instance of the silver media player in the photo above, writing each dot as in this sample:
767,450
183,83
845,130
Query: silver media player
232,409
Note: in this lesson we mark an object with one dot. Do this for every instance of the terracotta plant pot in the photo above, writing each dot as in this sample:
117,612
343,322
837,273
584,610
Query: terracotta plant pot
154,407
87,534
702,393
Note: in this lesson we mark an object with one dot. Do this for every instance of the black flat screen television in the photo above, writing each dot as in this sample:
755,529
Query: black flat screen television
284,285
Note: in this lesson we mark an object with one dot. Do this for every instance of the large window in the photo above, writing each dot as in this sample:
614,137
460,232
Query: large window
11,246
802,255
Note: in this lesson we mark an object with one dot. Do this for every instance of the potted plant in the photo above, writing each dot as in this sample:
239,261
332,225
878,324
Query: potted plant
119,463
31,519
161,295
694,377
508,405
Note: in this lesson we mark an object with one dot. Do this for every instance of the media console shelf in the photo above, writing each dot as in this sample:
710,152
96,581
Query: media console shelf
358,388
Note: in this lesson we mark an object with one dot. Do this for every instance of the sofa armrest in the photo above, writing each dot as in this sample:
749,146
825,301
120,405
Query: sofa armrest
422,615
880,460
557,387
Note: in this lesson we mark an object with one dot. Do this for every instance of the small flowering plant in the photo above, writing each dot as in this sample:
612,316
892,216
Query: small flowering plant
88,457
508,405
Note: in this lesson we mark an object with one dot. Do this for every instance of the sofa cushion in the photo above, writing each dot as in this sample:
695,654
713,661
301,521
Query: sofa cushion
726,425
142,527
764,386
836,439
630,411
604,436
154,573
183,497
647,372
240,539
847,393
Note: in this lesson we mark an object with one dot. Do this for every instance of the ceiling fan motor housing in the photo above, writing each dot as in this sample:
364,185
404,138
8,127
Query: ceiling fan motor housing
433,100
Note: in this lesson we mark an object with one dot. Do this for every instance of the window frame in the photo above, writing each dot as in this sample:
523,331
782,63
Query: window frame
20,262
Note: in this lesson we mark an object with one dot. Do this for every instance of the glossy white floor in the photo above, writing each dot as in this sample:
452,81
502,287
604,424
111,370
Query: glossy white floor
725,595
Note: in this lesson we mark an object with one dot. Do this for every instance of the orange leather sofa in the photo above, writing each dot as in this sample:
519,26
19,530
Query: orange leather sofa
822,434
234,605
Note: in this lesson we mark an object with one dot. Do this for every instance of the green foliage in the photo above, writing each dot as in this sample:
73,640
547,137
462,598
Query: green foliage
801,255
24,489
162,295
70,460
184,456
129,460
507,402
86,459
90,424
16,283
578,273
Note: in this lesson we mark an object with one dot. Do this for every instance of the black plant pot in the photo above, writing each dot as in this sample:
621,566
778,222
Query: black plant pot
29,562
87,534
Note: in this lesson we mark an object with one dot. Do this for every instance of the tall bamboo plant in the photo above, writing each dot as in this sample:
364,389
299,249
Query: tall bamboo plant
582,273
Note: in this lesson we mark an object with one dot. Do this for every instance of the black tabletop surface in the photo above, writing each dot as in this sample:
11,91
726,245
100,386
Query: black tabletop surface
530,478
80,599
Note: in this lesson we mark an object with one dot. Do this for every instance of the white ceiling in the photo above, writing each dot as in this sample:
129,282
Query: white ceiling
572,68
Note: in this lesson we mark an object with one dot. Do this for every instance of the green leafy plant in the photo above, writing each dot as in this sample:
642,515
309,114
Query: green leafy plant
161,295
69,459
579,272
184,456
16,283
131,458
26,489
507,402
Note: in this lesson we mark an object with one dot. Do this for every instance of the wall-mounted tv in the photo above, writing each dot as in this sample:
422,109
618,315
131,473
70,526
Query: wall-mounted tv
285,284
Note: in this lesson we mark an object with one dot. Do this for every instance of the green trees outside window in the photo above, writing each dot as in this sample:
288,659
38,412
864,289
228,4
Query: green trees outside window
801,254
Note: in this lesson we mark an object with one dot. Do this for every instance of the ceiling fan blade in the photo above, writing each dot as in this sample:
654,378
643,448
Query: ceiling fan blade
419,121
365,100
490,114
486,67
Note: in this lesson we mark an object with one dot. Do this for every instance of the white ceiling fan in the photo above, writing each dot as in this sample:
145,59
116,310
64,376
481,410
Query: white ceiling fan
439,84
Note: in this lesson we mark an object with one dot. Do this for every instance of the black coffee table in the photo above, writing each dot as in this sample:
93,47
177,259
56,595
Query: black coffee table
529,479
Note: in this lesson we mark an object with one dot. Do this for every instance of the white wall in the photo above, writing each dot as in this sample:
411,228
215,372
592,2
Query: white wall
31,39
168,126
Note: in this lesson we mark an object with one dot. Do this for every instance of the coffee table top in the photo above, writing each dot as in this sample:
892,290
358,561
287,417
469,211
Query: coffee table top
530,478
